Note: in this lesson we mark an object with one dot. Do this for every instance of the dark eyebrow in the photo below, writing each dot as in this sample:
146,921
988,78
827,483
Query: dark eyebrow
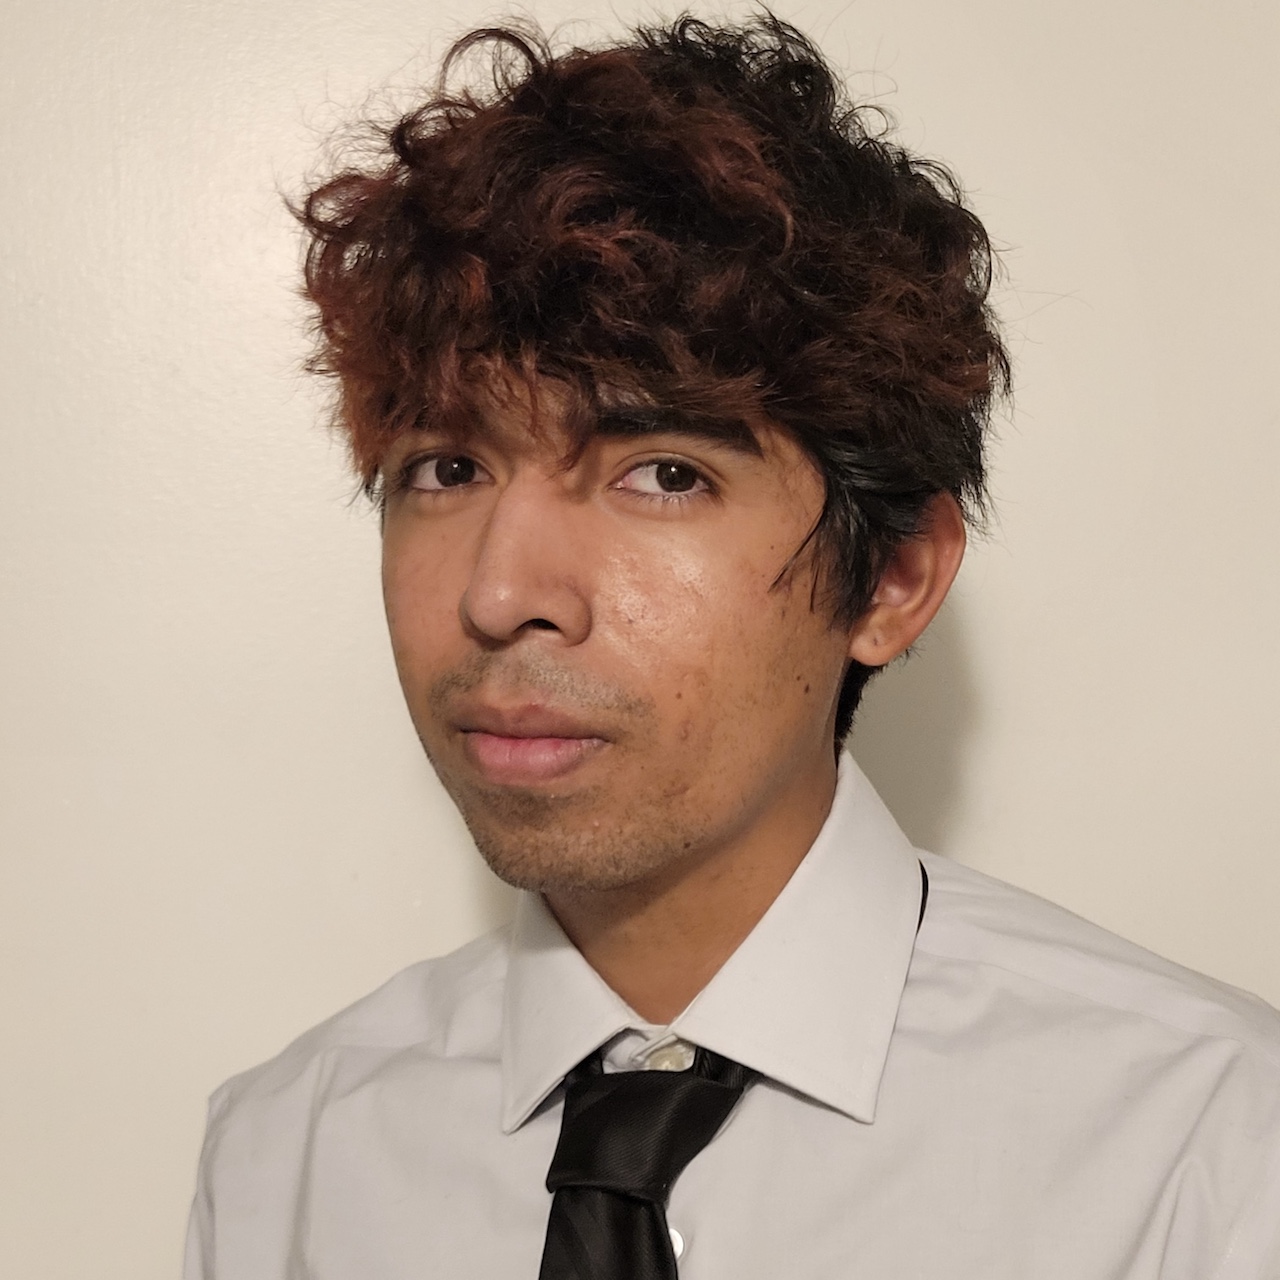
658,420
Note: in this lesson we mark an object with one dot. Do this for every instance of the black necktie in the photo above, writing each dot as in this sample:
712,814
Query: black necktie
624,1140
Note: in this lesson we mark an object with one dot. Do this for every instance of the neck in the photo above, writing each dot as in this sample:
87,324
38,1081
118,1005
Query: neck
658,943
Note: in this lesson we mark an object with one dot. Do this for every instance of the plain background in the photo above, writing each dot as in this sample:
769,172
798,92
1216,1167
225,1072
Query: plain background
217,828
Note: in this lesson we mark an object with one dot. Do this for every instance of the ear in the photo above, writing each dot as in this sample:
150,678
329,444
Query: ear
912,587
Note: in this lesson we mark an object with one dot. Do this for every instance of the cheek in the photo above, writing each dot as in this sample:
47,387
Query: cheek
713,642
659,620
653,602
418,600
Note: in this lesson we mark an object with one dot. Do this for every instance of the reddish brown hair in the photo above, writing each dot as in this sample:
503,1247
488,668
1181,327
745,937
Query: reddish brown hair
695,220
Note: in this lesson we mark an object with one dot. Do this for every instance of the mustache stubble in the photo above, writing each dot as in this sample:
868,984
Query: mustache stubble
537,676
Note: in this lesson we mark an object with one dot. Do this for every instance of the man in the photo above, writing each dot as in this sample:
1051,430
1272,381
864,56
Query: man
671,378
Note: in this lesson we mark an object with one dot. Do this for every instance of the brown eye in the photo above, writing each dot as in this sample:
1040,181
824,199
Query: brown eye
674,477
446,472
451,471
668,477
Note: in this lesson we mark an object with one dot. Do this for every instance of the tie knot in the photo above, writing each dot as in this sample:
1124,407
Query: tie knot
633,1132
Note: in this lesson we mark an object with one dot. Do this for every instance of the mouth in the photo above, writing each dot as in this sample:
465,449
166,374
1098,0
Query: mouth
528,746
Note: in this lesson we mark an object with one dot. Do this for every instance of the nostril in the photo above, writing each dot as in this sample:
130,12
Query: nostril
541,623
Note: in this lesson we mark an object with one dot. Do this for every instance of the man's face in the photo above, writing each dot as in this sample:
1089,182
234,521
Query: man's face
600,659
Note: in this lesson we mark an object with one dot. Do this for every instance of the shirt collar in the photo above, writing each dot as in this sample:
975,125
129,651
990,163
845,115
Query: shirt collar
556,1010
809,998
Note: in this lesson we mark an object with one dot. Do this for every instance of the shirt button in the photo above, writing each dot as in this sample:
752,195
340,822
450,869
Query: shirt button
677,1242
676,1056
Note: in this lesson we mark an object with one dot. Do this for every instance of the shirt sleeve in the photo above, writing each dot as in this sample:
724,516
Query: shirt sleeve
248,1217
198,1261
1254,1250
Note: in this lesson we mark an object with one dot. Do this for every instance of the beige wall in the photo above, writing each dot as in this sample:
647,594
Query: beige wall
216,826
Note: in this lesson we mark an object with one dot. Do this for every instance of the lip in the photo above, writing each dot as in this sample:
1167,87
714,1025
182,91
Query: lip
527,761
530,721
527,746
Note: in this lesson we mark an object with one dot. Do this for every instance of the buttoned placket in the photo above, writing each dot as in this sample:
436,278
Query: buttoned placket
668,1053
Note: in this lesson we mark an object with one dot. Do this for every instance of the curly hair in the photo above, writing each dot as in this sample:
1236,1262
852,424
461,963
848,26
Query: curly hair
698,219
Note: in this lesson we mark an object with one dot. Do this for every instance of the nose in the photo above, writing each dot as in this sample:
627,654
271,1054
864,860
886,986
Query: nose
529,569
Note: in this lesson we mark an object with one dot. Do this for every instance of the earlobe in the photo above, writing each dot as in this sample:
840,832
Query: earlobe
912,587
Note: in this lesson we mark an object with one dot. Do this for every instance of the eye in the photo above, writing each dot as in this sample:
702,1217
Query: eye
445,471
664,478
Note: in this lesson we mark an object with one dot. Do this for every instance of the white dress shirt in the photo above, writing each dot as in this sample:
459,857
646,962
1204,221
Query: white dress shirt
1013,1094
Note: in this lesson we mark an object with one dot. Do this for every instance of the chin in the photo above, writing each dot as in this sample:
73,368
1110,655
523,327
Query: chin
559,856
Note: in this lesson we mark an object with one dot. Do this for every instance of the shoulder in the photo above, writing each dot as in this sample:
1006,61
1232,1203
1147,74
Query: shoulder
1043,953
441,1006
263,1123
1097,1059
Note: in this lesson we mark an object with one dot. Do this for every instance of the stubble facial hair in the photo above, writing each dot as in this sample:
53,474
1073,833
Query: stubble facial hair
581,839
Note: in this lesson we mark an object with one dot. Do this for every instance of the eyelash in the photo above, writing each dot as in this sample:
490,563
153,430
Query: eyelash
708,488
401,481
